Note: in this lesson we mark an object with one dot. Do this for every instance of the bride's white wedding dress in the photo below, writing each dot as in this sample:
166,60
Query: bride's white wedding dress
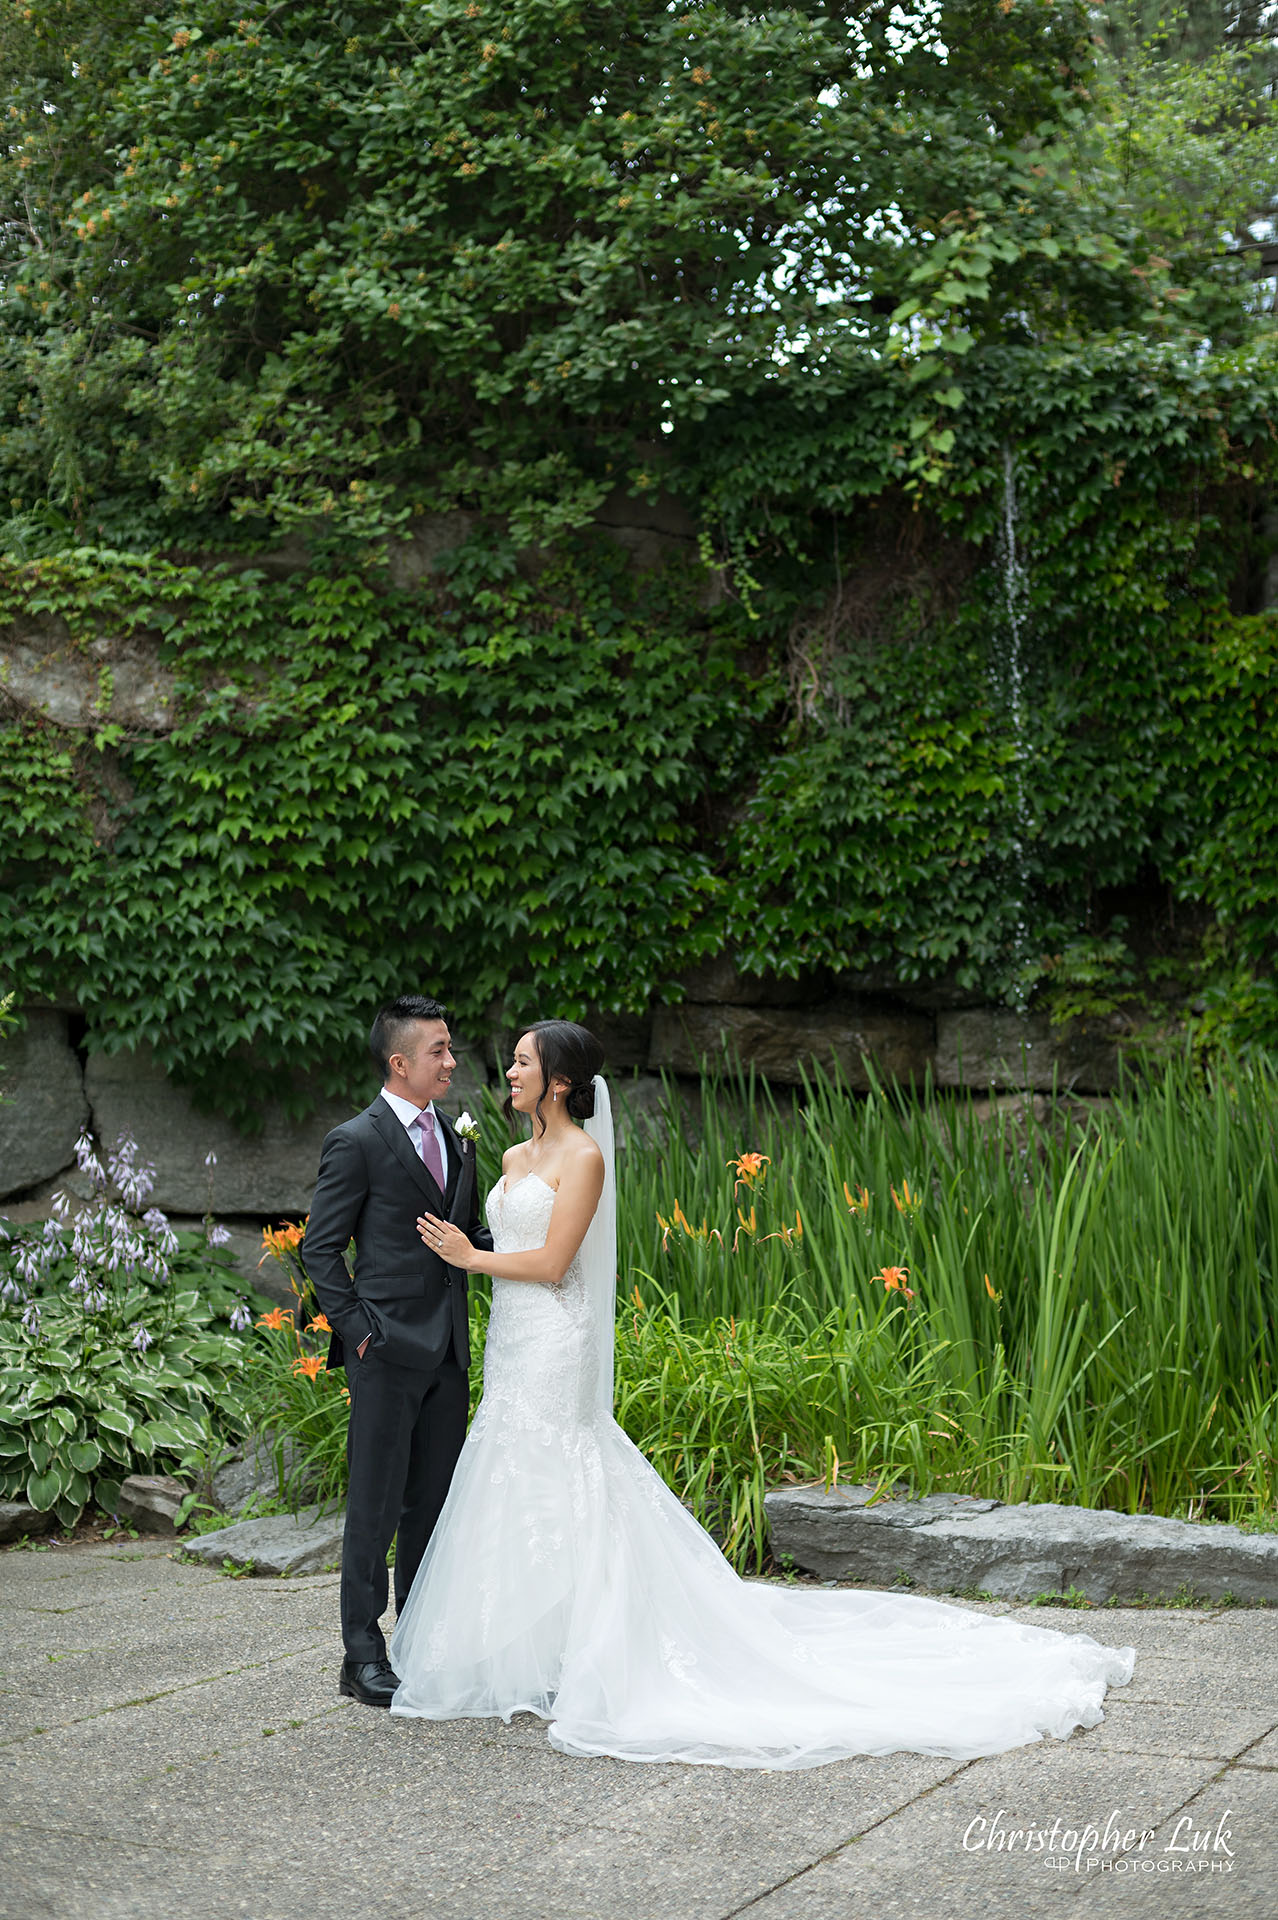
565,1579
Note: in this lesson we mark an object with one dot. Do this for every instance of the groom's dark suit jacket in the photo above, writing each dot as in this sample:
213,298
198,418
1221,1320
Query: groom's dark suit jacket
372,1185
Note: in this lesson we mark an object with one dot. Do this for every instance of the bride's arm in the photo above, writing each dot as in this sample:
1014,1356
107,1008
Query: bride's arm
575,1201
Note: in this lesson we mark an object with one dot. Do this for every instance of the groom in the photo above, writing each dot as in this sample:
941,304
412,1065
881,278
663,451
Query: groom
399,1326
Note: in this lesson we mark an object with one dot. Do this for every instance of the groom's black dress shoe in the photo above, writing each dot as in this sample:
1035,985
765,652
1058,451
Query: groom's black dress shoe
372,1681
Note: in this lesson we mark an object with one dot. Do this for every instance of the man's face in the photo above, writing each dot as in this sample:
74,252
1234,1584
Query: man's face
423,1070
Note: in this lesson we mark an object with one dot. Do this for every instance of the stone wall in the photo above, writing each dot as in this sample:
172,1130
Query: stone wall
779,1027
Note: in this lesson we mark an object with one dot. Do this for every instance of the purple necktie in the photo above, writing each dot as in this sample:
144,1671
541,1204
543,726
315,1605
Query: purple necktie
429,1148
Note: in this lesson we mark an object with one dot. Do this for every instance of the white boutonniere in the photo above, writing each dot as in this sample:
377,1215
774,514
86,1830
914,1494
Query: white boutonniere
467,1127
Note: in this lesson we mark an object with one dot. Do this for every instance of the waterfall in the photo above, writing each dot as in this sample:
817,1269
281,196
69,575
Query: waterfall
1010,673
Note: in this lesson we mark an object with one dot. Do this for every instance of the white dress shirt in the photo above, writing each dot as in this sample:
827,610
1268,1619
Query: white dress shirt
406,1113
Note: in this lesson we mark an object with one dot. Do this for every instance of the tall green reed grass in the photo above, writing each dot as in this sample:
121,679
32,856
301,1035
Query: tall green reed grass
1090,1315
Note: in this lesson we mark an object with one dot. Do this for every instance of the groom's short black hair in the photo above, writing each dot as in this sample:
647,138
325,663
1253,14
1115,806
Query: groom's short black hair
390,1029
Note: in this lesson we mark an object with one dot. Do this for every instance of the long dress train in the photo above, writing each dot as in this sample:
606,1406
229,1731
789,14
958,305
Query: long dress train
565,1579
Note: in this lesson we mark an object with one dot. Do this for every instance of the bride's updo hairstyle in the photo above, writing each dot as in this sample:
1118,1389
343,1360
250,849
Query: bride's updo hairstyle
566,1052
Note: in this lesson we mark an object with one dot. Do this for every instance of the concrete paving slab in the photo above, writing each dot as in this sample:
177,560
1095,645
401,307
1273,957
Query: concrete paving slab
1212,1858
245,1787
1212,1731
982,1841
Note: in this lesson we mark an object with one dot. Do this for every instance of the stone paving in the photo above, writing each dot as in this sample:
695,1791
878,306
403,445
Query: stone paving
173,1747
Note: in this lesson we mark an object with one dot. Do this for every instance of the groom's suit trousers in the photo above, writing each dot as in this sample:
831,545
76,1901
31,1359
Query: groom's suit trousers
406,1430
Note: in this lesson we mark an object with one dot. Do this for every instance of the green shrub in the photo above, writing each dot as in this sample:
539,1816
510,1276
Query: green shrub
111,1363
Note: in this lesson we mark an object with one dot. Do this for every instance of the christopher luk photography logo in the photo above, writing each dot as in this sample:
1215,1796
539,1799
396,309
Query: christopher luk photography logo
1193,1845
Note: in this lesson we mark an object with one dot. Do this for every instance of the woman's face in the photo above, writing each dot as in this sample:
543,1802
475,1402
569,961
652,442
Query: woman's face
524,1075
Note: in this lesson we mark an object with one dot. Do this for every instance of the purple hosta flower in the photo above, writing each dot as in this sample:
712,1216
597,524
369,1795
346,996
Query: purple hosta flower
218,1236
88,1162
95,1299
4,1232
79,1281
134,1181
31,1318
30,1263
126,1249
141,1338
120,1163
154,1263
61,1205
210,1159
53,1236
136,1187
10,1291
241,1318
162,1234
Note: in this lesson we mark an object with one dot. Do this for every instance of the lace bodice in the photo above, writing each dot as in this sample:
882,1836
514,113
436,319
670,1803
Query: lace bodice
536,1358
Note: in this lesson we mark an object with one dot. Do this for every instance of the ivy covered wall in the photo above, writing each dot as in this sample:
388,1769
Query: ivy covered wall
558,780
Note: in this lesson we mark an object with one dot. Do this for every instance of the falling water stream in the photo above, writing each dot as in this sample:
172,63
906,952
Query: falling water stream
1010,671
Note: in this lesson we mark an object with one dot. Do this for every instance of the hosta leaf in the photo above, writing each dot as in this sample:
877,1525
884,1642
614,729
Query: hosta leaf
84,1455
76,1488
114,1419
43,1489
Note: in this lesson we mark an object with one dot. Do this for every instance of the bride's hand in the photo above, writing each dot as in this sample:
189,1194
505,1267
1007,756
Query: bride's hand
449,1242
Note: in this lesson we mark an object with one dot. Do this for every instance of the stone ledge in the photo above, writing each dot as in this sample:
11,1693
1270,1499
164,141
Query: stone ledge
951,1542
287,1543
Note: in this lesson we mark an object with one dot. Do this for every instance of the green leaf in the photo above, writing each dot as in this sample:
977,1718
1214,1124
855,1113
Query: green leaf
43,1489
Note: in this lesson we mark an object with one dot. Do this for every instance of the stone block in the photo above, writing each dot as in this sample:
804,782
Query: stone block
624,1038
44,1106
996,1047
270,1173
305,1542
18,1521
779,1043
716,982
46,670
151,1501
251,1473
949,1542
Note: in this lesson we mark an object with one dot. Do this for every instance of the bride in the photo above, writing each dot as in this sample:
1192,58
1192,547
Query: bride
565,1579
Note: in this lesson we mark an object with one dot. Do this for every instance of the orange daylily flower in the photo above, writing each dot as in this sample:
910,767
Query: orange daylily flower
989,1288
279,1242
894,1280
787,1235
749,1168
310,1364
680,1219
276,1319
861,1204
319,1324
904,1200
